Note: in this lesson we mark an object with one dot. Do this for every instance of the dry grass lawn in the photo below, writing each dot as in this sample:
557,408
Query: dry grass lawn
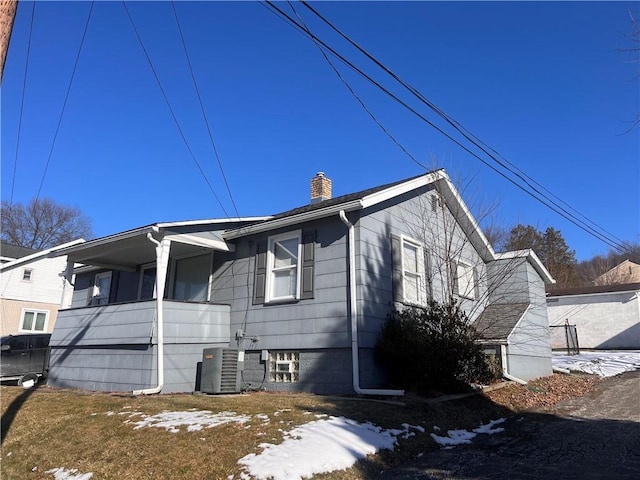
46,428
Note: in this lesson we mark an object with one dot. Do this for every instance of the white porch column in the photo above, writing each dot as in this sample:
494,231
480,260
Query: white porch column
67,288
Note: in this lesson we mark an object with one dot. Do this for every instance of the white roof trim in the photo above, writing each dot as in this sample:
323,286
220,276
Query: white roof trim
401,188
41,254
153,228
188,223
466,213
512,332
292,220
551,296
533,259
200,241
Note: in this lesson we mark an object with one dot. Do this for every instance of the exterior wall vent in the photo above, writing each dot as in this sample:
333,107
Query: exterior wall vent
221,370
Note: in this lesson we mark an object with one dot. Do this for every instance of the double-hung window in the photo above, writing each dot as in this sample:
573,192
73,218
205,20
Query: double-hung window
413,274
34,320
465,281
283,267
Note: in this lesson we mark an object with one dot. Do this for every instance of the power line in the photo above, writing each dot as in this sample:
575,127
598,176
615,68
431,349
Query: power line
536,194
173,115
66,97
356,96
204,115
24,89
464,131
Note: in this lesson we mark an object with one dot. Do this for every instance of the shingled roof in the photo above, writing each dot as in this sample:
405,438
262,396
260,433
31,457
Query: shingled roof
14,251
341,199
497,321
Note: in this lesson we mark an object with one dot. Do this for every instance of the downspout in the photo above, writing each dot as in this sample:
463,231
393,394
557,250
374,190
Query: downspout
505,371
352,293
162,254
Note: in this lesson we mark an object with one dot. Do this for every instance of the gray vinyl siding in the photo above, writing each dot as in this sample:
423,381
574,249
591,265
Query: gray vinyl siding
529,345
121,369
114,347
510,282
410,216
318,322
326,371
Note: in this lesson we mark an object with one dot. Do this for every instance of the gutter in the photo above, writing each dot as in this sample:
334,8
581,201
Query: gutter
505,372
352,294
162,253
292,220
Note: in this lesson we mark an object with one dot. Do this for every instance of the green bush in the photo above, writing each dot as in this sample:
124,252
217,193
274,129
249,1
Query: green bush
431,349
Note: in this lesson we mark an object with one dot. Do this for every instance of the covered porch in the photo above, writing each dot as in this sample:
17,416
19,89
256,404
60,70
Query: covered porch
116,333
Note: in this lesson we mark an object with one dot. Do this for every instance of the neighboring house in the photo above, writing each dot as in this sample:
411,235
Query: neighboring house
9,252
605,317
30,288
302,294
626,272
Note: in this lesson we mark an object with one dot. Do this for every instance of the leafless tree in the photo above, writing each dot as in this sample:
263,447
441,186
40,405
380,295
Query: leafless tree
42,224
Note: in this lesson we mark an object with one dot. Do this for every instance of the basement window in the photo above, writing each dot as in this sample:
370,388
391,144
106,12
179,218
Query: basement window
284,367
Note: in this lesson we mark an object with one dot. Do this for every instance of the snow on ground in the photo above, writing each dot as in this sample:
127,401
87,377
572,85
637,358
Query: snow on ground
193,420
316,447
602,363
64,474
457,437
335,443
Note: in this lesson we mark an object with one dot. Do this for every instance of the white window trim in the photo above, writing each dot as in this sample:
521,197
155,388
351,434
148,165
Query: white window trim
420,274
30,272
270,266
94,289
172,273
142,269
470,293
35,312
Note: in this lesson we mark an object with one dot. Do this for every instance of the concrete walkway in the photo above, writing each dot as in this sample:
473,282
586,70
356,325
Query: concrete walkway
593,437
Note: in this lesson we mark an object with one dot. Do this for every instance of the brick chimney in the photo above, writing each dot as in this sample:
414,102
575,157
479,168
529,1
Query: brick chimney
320,188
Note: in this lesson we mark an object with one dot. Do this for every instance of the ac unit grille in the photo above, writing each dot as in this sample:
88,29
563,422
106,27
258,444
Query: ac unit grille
220,371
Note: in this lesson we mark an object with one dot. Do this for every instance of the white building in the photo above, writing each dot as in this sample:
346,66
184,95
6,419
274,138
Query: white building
605,317
31,290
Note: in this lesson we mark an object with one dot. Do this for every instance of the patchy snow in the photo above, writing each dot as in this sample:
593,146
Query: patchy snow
602,363
488,428
458,437
64,474
454,437
193,420
317,447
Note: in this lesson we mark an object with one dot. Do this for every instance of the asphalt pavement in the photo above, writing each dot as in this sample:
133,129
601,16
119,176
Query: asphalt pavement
596,436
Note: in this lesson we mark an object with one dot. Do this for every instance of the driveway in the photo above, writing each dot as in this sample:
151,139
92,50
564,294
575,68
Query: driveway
593,437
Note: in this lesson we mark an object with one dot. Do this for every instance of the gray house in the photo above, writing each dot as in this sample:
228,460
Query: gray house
292,302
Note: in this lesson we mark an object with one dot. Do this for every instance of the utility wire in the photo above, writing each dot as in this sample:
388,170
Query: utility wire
535,194
173,115
64,104
355,95
204,115
464,131
24,89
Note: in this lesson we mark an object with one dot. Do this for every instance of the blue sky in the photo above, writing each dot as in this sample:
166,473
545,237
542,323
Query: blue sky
544,84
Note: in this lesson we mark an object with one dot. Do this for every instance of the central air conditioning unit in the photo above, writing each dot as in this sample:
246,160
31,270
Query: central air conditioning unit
221,370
